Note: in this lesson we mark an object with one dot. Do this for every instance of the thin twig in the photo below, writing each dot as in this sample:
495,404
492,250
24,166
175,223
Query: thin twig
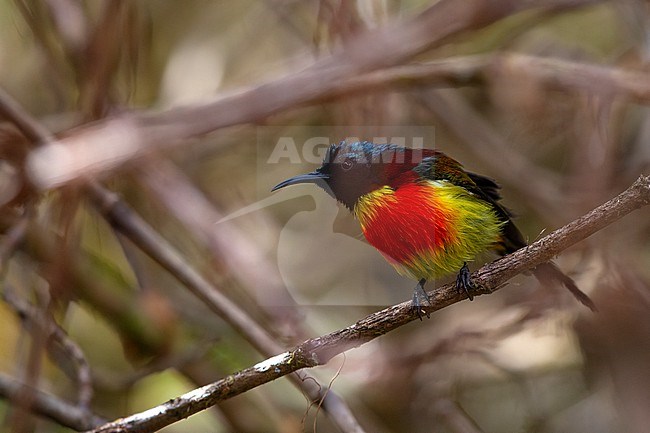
110,143
239,252
320,350
12,110
13,237
50,406
471,127
125,220
172,361
54,332
148,240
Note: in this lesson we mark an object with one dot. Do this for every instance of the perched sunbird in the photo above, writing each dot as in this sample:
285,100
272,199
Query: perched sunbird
424,213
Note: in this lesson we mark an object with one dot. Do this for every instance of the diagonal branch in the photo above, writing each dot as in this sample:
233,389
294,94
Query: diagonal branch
149,241
110,143
320,350
117,212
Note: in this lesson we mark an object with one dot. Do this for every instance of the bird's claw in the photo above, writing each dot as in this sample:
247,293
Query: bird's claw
420,299
464,281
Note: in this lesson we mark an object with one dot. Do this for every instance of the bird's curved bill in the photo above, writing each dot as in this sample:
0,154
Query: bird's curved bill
313,177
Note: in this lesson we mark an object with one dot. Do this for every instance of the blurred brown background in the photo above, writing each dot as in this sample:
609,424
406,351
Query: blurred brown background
538,100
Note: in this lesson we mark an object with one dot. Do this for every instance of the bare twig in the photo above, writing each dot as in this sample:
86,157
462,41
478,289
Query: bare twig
558,74
84,379
30,369
12,110
100,59
471,127
125,220
51,407
172,361
13,238
149,241
320,350
110,143
52,331
239,252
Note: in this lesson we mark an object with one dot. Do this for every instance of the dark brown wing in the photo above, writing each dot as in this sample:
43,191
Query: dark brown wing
437,166
488,190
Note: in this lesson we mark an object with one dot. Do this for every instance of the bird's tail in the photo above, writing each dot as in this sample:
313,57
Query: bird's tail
512,240
549,273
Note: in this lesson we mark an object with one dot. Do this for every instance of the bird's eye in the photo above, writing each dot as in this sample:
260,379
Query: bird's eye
347,164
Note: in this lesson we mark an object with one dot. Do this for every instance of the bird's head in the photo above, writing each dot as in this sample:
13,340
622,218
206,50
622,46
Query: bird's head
351,170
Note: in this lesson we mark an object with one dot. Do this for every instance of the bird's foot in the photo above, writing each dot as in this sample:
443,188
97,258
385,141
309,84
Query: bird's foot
420,299
464,281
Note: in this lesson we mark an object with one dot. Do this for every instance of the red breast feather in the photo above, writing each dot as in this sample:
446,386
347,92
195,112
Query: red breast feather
427,228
